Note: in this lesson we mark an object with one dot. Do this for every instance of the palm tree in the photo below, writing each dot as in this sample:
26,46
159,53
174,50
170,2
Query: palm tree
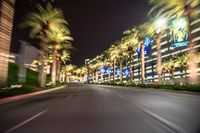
84,71
96,66
92,67
182,62
130,43
119,53
100,64
57,40
108,63
165,69
41,22
78,73
172,68
111,53
62,58
178,8
68,71
143,31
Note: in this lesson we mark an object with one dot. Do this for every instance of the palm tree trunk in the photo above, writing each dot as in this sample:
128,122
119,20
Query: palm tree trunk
67,78
164,77
93,76
142,62
109,76
42,73
121,72
88,78
159,59
64,78
58,70
97,76
130,66
192,52
85,77
101,77
172,76
53,73
113,72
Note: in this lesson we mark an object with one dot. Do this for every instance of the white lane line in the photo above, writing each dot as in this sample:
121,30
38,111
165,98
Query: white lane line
25,122
164,121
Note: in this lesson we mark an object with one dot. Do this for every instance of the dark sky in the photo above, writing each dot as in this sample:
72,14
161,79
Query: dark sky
94,24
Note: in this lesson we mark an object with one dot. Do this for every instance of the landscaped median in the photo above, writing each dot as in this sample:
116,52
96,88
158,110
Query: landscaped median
22,93
189,88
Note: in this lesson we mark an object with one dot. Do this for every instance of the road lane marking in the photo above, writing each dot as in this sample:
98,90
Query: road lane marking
160,120
163,121
25,122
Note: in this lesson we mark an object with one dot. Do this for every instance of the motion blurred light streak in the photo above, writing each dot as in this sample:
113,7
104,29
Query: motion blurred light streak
6,24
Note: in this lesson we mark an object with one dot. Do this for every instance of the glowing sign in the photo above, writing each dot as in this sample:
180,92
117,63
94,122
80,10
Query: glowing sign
179,32
147,44
102,70
108,70
111,70
118,71
126,72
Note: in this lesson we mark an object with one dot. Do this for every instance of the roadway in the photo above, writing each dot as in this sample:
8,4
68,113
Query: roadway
103,109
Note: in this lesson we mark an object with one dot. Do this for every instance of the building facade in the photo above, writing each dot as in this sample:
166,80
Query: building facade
169,50
6,24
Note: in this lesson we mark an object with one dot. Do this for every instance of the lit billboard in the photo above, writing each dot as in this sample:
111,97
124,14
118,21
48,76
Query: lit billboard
147,44
178,29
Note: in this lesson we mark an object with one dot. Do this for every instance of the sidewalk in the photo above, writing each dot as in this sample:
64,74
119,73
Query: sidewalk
24,96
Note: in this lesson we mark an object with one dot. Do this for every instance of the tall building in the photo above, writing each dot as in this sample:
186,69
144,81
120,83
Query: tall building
174,43
6,24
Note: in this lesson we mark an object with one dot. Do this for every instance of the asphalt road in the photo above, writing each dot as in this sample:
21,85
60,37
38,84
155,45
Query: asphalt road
103,109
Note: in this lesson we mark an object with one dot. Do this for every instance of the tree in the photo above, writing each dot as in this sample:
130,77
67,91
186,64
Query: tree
143,31
78,73
68,70
41,22
165,69
108,63
83,72
100,64
182,62
130,44
118,54
111,55
57,40
178,8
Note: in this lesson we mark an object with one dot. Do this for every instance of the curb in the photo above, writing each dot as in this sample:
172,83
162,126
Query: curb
24,96
165,90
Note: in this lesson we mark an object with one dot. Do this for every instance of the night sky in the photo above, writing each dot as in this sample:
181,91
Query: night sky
94,24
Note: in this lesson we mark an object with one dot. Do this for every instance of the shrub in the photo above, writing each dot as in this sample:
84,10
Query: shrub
13,71
32,77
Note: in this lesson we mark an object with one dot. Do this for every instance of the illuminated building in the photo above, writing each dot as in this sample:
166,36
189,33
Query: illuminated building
174,43
6,24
